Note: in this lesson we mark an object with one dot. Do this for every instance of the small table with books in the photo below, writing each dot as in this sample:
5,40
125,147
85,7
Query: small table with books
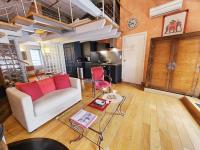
90,118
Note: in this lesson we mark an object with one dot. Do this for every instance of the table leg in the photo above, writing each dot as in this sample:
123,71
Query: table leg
80,131
119,109
100,140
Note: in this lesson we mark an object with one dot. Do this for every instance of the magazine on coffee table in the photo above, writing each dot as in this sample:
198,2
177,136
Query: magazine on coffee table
84,118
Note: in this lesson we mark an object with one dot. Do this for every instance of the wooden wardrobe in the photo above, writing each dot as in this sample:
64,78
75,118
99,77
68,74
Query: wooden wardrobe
174,64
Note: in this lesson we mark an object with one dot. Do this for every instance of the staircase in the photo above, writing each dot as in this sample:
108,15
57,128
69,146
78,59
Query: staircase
10,64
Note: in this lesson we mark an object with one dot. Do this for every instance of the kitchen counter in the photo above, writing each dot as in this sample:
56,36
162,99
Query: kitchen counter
106,64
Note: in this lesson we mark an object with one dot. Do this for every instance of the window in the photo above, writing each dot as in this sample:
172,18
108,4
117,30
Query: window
36,57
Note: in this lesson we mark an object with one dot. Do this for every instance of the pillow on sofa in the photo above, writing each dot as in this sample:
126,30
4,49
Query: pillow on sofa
47,85
19,84
32,89
62,81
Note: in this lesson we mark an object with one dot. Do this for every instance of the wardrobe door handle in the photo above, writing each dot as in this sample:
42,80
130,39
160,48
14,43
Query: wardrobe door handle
173,65
169,66
198,67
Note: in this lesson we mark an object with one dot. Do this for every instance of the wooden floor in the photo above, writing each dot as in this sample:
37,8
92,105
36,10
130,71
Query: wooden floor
151,122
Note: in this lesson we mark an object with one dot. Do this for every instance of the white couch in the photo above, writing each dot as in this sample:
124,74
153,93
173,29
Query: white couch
34,114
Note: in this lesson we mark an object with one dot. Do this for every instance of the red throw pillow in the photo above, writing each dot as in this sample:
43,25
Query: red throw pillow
18,85
32,89
62,81
47,85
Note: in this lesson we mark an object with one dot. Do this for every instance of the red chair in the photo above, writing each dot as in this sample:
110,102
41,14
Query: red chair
98,81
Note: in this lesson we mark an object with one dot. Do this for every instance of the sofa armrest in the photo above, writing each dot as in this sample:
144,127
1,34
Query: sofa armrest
21,105
75,82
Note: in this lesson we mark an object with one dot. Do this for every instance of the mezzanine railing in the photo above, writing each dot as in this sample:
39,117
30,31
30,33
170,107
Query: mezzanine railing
109,7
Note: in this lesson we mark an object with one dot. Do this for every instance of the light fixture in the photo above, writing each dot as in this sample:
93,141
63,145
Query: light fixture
39,31
46,50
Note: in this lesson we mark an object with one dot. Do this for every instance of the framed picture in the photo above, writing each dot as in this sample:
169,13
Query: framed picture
174,24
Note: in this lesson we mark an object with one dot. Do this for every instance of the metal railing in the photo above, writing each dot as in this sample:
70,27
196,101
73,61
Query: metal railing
21,8
109,7
8,13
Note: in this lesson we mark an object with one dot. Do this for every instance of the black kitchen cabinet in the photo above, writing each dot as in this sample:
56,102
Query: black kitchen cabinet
103,46
72,52
87,70
112,70
88,47
116,73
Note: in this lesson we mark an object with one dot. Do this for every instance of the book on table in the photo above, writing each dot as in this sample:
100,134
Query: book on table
100,104
84,118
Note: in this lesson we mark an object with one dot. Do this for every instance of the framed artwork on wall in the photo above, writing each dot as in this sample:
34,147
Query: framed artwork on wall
174,23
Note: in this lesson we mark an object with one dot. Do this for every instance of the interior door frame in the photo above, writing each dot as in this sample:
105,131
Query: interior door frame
145,44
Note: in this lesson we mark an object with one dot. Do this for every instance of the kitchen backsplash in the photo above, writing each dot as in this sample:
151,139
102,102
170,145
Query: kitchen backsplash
107,56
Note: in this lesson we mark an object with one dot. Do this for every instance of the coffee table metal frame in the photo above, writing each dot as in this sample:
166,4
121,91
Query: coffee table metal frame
76,127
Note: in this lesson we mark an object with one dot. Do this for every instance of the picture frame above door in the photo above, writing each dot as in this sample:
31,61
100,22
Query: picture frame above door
174,23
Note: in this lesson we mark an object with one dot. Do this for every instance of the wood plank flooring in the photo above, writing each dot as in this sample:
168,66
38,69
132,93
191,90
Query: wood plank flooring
152,121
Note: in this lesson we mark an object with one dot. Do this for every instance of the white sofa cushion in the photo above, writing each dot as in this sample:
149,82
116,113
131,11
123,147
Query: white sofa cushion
50,101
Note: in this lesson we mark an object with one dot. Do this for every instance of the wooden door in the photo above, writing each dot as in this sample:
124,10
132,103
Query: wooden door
133,57
160,57
185,75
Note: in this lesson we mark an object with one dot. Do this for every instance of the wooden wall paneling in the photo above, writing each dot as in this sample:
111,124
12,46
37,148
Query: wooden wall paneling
150,59
171,64
160,57
185,75
197,87
184,53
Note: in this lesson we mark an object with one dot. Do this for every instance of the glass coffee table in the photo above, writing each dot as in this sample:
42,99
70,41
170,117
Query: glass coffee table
95,133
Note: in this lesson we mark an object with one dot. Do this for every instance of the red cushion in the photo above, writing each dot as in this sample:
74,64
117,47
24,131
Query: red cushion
102,84
97,73
62,81
32,89
47,85
18,85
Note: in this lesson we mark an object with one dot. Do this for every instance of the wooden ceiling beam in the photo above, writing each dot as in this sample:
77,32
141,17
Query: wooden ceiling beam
22,20
2,34
8,26
46,21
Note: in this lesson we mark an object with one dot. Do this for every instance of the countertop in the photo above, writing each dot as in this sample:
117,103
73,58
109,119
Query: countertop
104,64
